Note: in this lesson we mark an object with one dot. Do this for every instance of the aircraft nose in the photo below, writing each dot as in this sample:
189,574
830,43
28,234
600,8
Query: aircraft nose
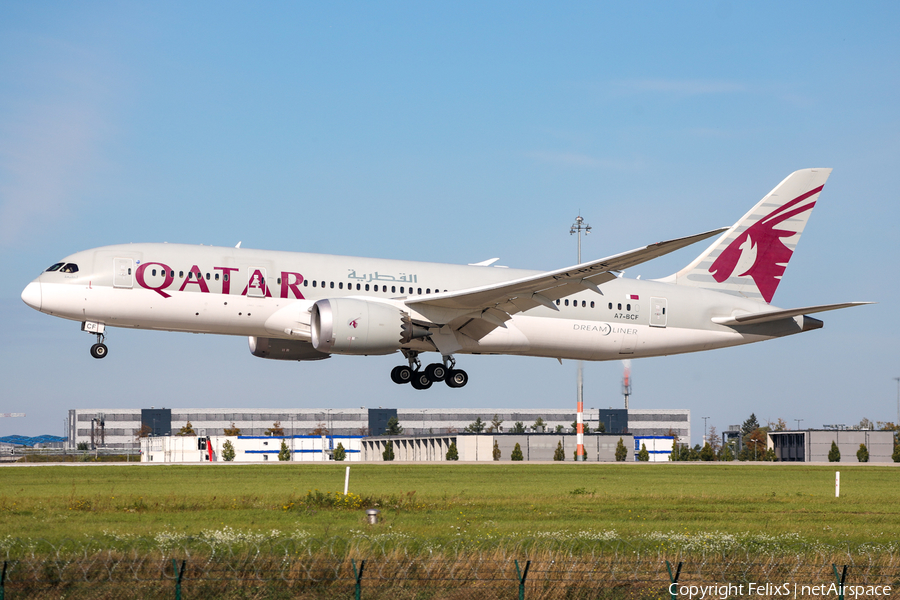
31,295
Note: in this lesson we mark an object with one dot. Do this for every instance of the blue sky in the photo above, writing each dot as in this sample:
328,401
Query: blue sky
450,132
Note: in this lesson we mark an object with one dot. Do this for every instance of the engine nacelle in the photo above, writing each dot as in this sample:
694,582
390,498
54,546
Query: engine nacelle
284,349
352,326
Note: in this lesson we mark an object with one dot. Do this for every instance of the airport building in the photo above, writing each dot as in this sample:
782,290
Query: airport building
124,428
813,445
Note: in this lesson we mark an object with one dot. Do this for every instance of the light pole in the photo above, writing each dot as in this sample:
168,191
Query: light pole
704,429
578,227
798,423
897,379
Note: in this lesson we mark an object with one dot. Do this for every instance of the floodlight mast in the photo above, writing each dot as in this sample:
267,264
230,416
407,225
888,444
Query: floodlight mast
578,227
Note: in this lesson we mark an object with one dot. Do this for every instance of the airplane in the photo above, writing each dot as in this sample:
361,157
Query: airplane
307,307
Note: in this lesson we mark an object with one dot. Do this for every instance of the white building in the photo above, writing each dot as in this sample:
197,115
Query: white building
195,449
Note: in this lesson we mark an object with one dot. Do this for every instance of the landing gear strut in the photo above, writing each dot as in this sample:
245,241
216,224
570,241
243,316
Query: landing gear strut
422,379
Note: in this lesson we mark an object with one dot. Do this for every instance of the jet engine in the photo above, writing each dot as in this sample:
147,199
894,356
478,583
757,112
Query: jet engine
284,349
353,326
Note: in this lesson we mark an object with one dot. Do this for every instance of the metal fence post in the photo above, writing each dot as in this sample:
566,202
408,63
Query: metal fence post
840,579
522,576
673,581
179,573
358,575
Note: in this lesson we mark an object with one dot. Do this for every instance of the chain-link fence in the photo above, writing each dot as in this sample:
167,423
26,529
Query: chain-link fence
264,576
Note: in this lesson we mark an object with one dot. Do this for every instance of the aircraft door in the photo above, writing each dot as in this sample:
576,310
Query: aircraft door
658,315
629,341
256,282
123,272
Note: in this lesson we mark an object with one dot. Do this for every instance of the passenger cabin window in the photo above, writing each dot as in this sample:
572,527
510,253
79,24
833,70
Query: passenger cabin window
314,283
393,289
55,267
367,287
180,274
73,268
331,285
340,285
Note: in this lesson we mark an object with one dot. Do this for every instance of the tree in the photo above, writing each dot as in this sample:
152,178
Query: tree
896,454
477,426
232,431
496,424
779,425
727,454
452,452
186,430
862,455
339,452
496,451
228,451
694,453
749,426
644,454
755,445
517,453
770,455
834,455
560,454
559,429
320,429
621,451
285,452
674,455
275,430
519,427
143,432
601,427
715,440
865,424
707,453
539,425
393,427
388,453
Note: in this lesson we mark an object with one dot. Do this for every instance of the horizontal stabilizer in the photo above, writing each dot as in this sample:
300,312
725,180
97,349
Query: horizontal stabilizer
775,315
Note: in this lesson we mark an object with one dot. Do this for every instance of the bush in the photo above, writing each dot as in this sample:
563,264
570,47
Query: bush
644,454
560,454
452,452
707,453
862,455
621,451
496,451
834,455
339,452
896,454
228,451
285,453
388,454
517,453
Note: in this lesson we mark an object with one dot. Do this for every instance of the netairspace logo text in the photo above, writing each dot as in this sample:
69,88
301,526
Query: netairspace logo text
777,590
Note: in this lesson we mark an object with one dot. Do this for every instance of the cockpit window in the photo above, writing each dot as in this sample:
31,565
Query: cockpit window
69,268
55,267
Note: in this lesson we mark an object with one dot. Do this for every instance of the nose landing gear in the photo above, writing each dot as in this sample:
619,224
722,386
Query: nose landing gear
98,350
422,379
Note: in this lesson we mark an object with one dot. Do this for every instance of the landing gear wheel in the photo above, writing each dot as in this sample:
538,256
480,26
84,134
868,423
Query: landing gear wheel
436,371
99,350
401,374
457,378
420,381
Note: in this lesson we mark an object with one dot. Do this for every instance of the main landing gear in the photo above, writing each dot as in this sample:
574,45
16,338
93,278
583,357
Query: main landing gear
421,379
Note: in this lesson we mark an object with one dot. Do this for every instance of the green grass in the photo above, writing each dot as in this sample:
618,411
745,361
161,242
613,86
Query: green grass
438,504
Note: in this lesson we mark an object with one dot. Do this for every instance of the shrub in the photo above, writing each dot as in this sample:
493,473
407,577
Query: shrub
388,453
862,455
707,453
517,453
496,451
339,452
621,451
228,451
644,454
452,452
896,454
834,455
285,452
559,454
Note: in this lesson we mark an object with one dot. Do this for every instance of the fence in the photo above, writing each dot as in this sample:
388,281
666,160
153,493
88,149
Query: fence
257,576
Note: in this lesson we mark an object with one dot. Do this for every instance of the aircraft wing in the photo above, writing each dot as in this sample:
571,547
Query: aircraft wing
775,315
477,311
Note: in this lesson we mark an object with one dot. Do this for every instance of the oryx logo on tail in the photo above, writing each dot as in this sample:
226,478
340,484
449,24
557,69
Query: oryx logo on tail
760,251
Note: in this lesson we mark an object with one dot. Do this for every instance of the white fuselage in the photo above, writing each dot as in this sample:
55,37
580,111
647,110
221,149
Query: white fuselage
244,292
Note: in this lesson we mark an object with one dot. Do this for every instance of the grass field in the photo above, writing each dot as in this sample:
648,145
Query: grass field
439,505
